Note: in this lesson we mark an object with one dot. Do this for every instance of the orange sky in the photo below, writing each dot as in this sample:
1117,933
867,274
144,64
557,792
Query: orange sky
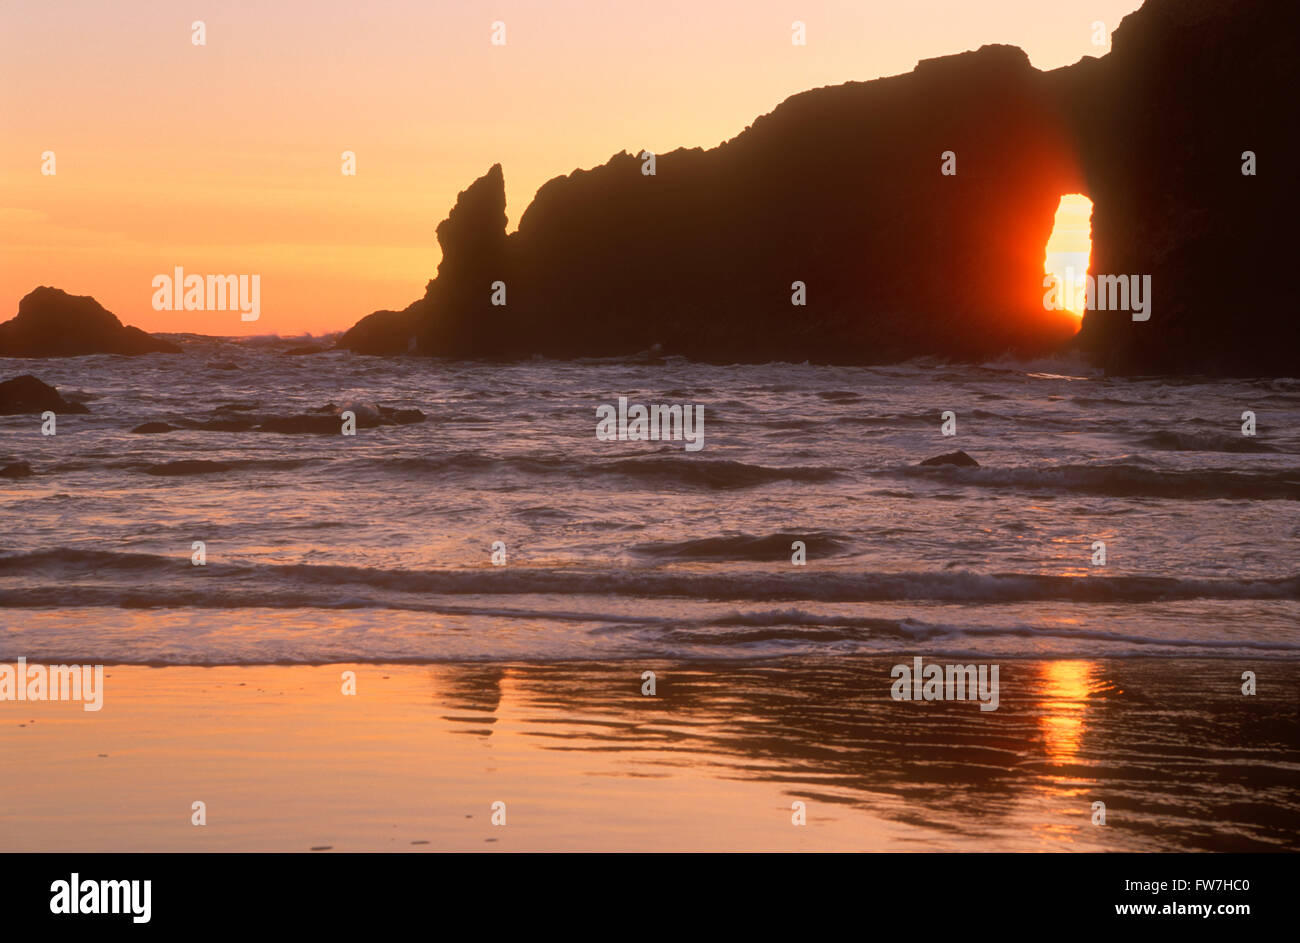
225,158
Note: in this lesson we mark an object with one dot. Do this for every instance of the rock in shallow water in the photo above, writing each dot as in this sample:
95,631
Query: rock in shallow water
958,458
26,394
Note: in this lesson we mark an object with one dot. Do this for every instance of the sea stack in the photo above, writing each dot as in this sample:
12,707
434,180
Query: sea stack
52,323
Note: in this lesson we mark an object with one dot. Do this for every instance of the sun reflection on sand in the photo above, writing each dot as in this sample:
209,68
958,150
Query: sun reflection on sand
1066,686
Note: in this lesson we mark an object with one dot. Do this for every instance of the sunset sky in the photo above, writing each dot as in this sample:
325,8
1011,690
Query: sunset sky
225,158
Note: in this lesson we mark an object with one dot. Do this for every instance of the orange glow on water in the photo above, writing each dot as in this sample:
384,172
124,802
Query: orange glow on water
1066,686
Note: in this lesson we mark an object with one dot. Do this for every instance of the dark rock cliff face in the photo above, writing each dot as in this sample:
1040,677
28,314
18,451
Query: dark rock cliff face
52,323
840,188
1163,120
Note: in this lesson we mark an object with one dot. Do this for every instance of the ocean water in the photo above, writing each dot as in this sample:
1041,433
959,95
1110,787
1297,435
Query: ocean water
377,547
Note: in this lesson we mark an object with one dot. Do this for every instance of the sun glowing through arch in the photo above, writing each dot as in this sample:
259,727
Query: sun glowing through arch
1069,250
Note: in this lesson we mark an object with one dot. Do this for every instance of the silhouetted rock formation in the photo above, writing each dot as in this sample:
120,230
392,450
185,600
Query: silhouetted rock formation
840,188
52,323
1163,121
473,241
26,394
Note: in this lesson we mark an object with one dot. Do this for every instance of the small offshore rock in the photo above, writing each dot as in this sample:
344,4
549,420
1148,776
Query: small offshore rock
958,458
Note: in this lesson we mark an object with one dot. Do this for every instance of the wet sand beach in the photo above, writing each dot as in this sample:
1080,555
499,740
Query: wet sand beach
284,761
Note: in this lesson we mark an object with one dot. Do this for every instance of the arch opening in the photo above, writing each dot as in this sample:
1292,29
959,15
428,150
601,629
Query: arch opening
1069,251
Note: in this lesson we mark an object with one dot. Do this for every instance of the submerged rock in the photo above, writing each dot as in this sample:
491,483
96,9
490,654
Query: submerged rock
958,458
16,470
306,425
218,425
402,416
328,422
52,323
188,467
26,394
